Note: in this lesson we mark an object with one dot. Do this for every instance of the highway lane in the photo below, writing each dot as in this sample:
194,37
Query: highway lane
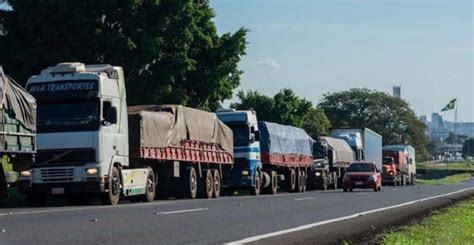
199,221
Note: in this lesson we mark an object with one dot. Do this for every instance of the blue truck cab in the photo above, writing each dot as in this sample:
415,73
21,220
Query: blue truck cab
247,165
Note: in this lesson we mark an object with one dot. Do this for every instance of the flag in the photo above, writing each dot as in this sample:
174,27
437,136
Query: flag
450,105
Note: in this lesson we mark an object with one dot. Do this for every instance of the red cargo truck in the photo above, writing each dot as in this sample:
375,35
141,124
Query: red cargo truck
394,164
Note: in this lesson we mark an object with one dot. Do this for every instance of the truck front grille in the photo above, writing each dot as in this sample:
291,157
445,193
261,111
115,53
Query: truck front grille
57,174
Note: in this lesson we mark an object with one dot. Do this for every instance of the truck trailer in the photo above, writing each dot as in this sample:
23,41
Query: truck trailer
18,136
286,155
86,147
399,165
366,143
331,158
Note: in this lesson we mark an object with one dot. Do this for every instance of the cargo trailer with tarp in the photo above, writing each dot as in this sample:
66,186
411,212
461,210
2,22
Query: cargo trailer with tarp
191,149
331,157
17,134
286,154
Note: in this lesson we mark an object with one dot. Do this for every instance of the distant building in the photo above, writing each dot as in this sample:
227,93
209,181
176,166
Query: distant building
397,91
424,119
437,121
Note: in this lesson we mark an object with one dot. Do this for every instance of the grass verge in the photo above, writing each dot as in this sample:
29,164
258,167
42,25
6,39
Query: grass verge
466,166
454,225
451,179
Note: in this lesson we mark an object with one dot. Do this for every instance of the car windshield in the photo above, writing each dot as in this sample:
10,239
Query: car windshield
361,167
68,115
387,161
241,135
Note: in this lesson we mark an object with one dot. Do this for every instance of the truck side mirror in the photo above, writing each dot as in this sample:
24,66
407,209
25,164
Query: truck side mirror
257,135
109,113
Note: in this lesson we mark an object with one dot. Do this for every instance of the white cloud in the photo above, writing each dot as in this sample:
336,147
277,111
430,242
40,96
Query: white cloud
268,63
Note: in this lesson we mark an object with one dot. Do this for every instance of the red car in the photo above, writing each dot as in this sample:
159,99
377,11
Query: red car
363,175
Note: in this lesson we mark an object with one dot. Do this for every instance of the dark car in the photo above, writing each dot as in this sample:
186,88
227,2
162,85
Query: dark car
364,175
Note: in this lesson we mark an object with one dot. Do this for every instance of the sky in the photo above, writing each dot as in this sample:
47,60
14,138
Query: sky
315,47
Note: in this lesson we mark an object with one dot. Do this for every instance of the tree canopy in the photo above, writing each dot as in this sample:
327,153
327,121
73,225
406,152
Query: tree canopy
170,50
285,108
390,116
468,147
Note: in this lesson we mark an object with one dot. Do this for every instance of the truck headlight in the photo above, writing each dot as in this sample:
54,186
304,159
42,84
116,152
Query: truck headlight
26,173
318,173
92,171
373,178
245,173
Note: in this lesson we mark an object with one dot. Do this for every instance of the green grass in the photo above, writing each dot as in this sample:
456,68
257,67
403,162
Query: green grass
467,166
451,179
454,225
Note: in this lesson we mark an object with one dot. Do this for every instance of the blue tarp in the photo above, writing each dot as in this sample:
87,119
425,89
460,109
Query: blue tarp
283,139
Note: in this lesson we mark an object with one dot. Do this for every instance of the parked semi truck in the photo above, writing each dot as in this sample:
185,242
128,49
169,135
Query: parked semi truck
331,158
286,155
17,135
366,143
245,173
399,165
86,147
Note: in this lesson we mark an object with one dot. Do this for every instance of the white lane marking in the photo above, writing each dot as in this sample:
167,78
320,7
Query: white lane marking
395,189
361,193
304,227
183,211
304,198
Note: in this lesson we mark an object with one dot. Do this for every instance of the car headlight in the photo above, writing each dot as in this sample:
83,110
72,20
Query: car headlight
245,173
373,178
92,171
318,173
26,173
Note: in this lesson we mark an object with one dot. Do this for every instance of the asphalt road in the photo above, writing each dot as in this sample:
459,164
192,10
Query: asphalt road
263,219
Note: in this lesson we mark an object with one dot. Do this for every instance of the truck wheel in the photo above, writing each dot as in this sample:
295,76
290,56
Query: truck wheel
334,185
291,180
190,183
274,182
344,189
207,187
217,183
36,200
150,187
404,180
113,195
304,181
258,182
299,181
413,179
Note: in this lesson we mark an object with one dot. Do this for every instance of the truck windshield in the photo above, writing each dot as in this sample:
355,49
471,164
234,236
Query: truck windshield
387,160
241,135
320,150
68,115
361,167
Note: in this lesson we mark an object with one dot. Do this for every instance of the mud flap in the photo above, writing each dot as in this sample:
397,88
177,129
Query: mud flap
3,184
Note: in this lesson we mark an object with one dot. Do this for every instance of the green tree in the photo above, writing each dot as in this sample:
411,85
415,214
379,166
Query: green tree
170,50
285,108
468,147
390,116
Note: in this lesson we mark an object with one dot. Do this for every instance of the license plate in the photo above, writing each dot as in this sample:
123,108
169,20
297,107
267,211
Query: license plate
57,191
359,183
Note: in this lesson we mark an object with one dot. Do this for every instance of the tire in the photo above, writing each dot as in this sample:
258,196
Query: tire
413,179
255,190
305,178
376,189
150,187
350,190
216,180
274,183
404,180
112,197
299,183
379,188
207,186
190,183
291,181
36,200
325,185
334,179
344,189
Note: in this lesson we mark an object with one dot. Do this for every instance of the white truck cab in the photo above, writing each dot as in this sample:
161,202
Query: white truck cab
83,134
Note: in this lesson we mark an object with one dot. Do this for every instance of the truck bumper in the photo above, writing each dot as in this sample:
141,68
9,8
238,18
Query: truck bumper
388,179
237,181
85,187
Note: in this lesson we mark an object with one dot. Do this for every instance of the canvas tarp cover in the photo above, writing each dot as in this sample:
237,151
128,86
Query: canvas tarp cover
283,139
342,151
15,98
167,125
